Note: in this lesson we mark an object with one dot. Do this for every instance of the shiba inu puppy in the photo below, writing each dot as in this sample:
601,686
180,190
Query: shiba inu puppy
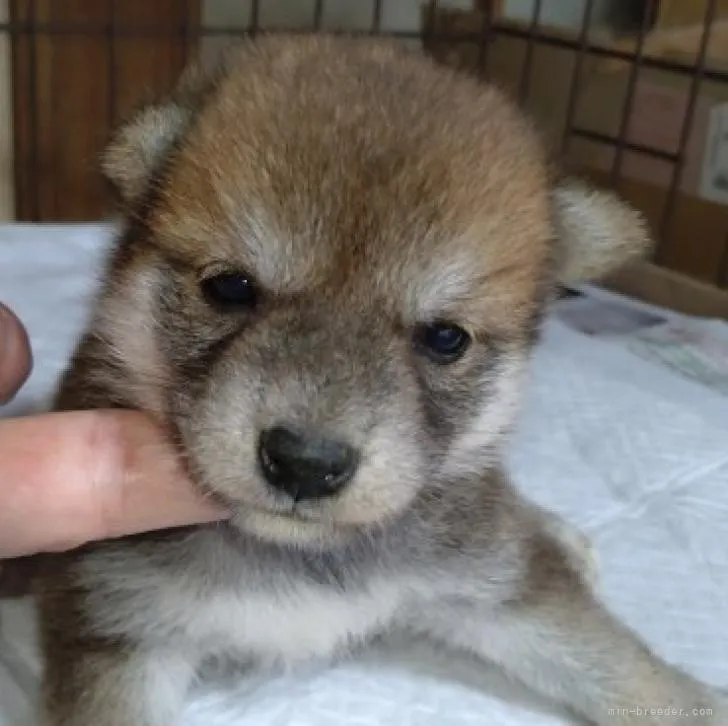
334,262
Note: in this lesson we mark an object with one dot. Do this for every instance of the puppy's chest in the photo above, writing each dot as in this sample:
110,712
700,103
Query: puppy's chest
212,602
288,626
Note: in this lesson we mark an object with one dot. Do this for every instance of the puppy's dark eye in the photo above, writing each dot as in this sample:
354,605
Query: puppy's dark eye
230,290
441,342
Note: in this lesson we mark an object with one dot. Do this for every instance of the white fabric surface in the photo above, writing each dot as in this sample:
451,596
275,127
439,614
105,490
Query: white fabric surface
630,452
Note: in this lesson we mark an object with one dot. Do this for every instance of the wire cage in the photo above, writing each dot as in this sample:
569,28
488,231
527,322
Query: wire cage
632,94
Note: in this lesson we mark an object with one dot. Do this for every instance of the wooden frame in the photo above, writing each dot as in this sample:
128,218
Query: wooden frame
77,69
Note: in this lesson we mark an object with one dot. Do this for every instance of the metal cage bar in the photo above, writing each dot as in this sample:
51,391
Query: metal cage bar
318,15
621,142
111,41
254,17
377,10
576,75
525,84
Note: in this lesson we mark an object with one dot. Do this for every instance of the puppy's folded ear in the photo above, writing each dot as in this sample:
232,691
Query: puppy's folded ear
139,147
597,232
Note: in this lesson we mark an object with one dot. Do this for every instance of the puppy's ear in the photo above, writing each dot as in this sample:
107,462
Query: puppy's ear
139,146
597,232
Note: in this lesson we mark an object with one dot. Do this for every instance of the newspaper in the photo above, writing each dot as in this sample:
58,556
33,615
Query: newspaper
600,317
695,348
697,351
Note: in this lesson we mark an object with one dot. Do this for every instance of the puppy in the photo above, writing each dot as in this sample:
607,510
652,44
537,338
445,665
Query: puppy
334,262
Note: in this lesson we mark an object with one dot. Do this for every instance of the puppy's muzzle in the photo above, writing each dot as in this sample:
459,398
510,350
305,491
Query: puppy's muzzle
303,465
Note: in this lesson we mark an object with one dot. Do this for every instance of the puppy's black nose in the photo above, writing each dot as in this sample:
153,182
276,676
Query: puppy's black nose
303,465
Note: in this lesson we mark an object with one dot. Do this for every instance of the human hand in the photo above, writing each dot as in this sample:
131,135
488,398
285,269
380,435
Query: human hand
71,478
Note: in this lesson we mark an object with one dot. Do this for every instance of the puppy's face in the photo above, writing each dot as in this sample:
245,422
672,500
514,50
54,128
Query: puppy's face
335,262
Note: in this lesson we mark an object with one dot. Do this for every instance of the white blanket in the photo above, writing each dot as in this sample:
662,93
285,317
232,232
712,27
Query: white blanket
628,451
